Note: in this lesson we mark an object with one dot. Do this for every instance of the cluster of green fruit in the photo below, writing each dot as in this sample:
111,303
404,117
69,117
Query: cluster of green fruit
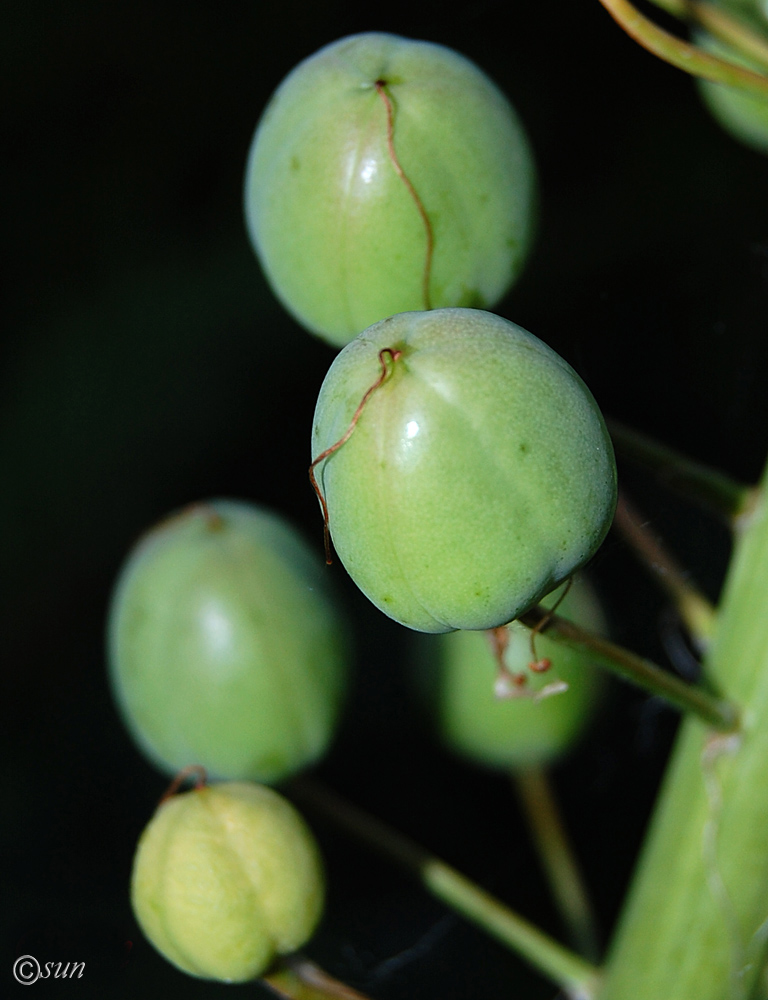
463,467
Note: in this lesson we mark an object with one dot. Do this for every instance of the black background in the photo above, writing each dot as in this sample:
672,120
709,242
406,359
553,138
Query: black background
146,365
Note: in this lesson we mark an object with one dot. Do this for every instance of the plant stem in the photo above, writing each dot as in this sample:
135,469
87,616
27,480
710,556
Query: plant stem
682,54
721,24
557,857
299,979
576,976
694,609
695,481
715,711
696,919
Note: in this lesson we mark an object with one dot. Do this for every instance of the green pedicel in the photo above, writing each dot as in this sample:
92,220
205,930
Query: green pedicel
503,733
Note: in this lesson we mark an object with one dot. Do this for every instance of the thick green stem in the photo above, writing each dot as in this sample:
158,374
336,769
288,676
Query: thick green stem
572,973
715,711
695,924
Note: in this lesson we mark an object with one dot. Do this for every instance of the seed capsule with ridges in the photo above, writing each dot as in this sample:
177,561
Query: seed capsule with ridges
226,878
479,474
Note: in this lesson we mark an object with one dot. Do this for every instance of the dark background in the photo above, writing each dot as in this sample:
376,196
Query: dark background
146,365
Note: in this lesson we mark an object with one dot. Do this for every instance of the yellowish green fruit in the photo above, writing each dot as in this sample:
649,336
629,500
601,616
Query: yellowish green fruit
226,645
225,879
458,671
338,231
478,476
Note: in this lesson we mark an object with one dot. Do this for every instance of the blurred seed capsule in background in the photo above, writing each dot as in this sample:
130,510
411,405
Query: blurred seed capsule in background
226,646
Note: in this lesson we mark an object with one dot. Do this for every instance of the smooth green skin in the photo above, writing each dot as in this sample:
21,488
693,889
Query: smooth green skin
742,115
225,646
694,924
478,477
225,878
753,11
337,232
502,733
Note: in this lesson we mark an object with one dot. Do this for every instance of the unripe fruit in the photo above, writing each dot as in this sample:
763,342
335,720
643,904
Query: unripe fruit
339,232
226,878
744,116
226,647
458,672
479,474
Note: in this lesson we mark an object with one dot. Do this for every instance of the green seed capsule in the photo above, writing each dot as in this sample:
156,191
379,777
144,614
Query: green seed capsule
387,175
458,671
225,646
744,116
479,474
225,879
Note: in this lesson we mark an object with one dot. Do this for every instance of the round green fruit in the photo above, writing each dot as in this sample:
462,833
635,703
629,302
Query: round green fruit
341,232
479,474
225,879
458,670
226,648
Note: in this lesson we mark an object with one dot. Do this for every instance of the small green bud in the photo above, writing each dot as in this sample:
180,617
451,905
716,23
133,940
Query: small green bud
479,474
387,175
225,645
458,672
225,879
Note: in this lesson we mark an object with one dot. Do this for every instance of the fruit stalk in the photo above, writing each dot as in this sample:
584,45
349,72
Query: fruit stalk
561,867
682,54
716,711
699,483
576,976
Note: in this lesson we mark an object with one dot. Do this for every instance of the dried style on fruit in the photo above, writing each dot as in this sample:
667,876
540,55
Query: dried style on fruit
479,475
387,175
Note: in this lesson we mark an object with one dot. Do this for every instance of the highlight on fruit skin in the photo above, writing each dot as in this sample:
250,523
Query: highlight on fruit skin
226,644
339,226
455,673
479,474
225,879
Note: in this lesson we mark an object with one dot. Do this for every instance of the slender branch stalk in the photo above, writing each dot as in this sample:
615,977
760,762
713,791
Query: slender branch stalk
682,54
678,8
716,712
694,609
577,977
561,868
706,486
720,23
296,978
